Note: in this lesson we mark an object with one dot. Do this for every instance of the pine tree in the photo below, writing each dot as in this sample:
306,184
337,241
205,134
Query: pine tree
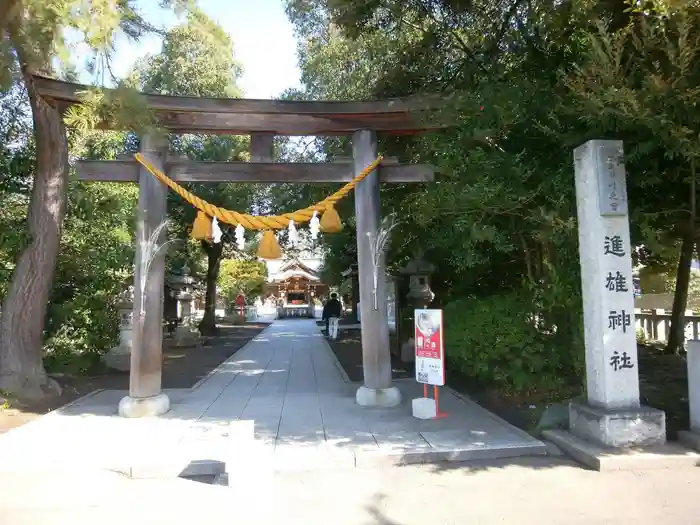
34,42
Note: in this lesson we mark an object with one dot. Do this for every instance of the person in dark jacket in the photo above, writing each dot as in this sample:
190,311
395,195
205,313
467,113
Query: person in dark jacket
331,314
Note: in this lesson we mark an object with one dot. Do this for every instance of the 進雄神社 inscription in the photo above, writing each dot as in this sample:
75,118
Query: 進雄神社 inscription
616,286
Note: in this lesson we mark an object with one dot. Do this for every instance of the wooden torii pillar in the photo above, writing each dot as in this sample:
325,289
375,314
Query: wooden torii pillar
262,120
376,353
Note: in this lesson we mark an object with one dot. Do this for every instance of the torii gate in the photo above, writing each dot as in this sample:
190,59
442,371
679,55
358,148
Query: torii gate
262,120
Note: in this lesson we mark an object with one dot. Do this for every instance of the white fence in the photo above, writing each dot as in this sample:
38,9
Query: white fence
655,324
251,313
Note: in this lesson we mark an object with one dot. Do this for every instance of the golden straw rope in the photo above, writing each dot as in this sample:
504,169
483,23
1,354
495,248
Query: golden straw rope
257,222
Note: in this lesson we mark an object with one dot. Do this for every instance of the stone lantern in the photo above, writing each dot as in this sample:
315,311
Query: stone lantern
419,296
353,275
119,357
182,285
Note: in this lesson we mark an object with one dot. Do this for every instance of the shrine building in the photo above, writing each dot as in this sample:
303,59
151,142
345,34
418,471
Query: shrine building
294,286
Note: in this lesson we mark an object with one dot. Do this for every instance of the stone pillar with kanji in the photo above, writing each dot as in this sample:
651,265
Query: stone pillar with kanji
691,437
612,415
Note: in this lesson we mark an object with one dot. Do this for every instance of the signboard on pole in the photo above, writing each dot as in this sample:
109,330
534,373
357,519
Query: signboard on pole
430,355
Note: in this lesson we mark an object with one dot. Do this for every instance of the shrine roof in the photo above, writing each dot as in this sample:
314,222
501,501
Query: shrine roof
242,116
295,262
289,274
294,268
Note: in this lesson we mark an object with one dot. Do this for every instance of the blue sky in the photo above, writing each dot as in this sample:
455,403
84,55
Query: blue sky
263,42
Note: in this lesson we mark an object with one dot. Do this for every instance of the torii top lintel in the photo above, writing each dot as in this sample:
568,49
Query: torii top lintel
282,117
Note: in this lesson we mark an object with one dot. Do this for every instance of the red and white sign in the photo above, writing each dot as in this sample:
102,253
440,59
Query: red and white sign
430,355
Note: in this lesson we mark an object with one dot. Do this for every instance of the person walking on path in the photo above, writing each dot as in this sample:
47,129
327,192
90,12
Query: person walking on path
331,314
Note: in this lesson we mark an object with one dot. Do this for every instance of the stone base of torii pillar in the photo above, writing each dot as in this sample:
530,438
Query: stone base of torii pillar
144,406
378,397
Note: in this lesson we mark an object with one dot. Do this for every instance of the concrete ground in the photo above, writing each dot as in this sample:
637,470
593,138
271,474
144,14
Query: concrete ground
287,383
523,491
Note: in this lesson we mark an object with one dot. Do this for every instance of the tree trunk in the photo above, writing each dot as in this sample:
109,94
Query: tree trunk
207,325
8,11
24,308
676,335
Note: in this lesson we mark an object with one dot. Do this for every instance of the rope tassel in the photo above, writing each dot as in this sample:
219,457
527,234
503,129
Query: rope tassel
330,221
269,247
201,229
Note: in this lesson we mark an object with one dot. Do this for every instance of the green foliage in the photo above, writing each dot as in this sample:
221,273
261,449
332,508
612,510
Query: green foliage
94,266
693,287
42,32
498,343
122,108
196,60
501,216
241,276
641,338
95,257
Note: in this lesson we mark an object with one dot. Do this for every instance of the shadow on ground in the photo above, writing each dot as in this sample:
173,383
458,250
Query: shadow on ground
182,368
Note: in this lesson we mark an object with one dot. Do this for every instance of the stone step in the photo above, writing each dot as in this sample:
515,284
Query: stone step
670,455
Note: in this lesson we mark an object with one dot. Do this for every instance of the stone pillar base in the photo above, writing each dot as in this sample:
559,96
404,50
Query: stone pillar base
144,406
618,428
118,358
381,397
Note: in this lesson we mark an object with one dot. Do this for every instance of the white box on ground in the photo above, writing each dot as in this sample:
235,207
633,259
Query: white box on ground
424,408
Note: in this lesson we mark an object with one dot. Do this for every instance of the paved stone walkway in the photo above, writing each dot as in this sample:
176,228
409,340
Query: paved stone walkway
288,383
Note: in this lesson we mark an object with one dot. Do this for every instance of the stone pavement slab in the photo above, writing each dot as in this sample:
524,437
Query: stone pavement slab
286,382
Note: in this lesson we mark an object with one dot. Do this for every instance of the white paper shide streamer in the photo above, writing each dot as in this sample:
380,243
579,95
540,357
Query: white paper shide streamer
293,234
240,237
216,231
314,225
